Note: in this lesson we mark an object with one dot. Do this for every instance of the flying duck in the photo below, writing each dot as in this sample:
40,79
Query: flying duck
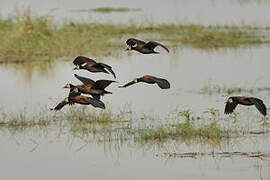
82,62
143,47
162,83
232,102
79,99
89,86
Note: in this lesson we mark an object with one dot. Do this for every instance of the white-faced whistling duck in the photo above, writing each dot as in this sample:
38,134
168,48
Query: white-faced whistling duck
162,83
79,99
143,47
89,86
91,65
232,102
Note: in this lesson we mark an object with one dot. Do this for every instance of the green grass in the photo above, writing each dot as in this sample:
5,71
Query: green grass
107,126
110,10
29,38
187,129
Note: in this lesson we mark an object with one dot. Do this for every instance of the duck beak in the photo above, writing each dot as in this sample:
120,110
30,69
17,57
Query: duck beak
65,86
128,49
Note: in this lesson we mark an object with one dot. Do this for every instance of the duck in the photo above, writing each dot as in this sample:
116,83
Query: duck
82,62
233,101
89,86
78,99
162,83
143,47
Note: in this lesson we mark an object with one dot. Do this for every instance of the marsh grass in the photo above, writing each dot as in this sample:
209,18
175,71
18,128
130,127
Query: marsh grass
187,129
32,38
212,88
109,10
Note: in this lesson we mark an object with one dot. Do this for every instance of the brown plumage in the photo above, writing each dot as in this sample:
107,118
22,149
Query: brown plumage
89,86
79,99
162,83
232,102
143,47
82,62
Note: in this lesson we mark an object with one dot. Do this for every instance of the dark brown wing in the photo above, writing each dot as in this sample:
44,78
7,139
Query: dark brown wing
106,66
128,84
96,103
133,42
85,80
102,84
229,108
88,100
259,105
82,59
162,83
152,44
60,105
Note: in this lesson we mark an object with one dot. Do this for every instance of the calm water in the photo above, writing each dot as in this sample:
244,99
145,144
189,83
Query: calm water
59,155
208,12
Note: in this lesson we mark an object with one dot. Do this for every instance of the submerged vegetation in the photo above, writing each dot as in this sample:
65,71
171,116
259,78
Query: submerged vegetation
109,10
30,38
212,88
100,126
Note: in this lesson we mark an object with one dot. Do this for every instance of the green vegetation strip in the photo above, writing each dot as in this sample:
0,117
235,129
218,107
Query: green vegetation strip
28,38
108,10
107,126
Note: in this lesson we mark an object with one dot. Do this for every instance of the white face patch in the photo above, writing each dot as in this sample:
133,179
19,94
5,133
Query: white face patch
84,64
135,80
76,90
66,99
230,100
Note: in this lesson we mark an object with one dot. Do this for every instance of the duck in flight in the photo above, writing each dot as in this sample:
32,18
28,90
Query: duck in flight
162,83
78,99
143,47
89,86
232,102
82,62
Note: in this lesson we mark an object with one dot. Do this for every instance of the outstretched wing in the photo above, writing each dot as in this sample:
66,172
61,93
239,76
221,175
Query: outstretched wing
102,84
96,103
82,59
162,83
59,106
132,42
229,108
259,105
152,44
85,80
106,66
127,84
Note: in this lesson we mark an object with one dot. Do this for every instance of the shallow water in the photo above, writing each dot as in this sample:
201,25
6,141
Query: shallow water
207,12
54,155
36,87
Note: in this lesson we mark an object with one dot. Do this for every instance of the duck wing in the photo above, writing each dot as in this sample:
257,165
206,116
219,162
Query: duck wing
162,83
259,105
59,106
79,60
152,44
85,80
105,66
132,42
127,84
102,84
88,100
229,108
